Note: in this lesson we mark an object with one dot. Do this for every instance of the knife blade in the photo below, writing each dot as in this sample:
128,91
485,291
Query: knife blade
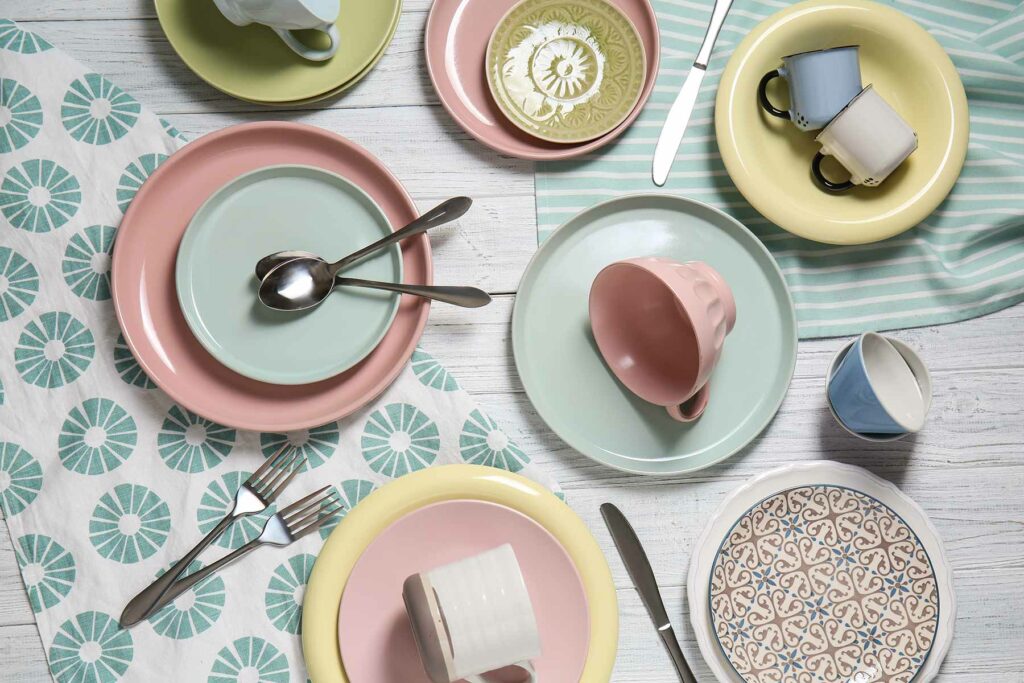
639,567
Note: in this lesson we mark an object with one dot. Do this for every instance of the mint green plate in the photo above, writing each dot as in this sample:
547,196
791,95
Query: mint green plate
273,209
574,391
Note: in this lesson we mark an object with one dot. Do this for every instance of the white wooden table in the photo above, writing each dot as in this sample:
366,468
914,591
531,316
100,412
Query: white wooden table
966,468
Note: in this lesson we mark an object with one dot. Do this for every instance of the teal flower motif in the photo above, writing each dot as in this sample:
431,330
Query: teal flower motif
399,439
285,592
21,116
21,477
431,373
96,111
482,443
129,524
189,443
192,612
17,40
249,660
39,196
54,350
351,492
19,283
90,648
317,444
128,368
172,131
47,568
218,500
86,262
134,175
96,437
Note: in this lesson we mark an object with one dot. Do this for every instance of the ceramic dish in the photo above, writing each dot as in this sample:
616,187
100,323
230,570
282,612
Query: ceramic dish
274,209
144,269
850,524
251,63
566,70
769,159
374,651
397,499
456,41
575,392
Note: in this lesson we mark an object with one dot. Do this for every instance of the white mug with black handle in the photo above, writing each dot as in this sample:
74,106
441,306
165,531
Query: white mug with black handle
286,16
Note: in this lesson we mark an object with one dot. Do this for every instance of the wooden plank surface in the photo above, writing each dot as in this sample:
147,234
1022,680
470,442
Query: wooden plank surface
966,468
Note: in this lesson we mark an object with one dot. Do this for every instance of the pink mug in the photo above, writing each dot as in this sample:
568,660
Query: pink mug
660,326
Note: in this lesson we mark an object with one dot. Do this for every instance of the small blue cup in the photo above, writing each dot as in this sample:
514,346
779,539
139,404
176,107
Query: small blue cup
875,389
821,83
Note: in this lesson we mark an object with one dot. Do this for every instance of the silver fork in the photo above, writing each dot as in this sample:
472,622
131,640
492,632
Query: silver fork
283,528
256,494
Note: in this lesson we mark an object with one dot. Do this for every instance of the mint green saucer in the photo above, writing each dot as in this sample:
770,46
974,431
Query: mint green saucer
574,391
273,209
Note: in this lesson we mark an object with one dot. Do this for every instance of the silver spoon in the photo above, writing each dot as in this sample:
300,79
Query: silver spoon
467,297
445,212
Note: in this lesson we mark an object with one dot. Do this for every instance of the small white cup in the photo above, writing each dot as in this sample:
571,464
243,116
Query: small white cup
472,617
869,138
285,16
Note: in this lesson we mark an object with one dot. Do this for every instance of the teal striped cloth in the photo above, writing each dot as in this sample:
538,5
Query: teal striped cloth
965,260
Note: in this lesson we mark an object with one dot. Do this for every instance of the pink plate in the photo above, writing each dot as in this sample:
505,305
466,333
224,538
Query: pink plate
456,45
147,305
373,629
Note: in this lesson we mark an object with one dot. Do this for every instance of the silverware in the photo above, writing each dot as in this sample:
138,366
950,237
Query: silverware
467,297
283,528
639,568
258,492
304,282
679,115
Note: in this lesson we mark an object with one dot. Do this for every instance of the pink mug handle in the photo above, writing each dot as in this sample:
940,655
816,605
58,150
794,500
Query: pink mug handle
693,407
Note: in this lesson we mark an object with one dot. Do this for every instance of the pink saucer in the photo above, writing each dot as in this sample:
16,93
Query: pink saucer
147,306
373,630
456,46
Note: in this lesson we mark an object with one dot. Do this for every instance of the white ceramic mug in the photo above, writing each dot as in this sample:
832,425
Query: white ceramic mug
473,616
285,16
869,138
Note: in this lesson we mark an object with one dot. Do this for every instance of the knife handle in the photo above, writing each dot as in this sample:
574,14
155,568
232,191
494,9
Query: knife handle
668,637
718,14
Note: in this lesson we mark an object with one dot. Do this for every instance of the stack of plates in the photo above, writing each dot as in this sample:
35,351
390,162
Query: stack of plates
253,64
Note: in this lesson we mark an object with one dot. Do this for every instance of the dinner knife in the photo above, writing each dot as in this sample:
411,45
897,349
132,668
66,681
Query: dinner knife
682,108
639,568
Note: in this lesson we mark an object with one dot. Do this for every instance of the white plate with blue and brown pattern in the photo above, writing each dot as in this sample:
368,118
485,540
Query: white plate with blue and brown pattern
821,573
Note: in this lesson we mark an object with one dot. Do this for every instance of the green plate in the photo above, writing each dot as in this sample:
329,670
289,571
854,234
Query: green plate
273,209
574,391
566,70
253,64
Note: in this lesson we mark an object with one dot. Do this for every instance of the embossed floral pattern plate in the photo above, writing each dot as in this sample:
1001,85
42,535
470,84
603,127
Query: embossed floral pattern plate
566,70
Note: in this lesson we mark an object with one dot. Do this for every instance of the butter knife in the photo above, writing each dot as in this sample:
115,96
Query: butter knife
682,108
639,568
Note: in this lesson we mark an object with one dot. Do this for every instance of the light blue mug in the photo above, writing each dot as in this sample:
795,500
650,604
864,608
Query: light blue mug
821,83
876,391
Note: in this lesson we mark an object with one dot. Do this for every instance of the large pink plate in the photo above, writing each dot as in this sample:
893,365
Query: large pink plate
373,630
147,306
456,46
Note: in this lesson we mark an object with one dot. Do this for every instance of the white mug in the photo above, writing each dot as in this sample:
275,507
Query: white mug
285,16
473,616
869,138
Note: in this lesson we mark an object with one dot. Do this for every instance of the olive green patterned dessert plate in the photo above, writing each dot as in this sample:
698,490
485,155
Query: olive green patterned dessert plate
566,70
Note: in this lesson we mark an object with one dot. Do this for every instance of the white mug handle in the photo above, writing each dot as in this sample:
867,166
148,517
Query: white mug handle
525,666
307,52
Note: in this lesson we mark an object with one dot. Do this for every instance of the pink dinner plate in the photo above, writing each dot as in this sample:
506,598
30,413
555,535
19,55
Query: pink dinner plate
144,288
456,46
373,630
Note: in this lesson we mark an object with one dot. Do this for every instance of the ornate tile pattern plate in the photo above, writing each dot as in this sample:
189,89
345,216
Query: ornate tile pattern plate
566,70
822,584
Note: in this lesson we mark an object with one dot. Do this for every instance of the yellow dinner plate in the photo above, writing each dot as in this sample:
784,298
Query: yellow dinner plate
453,482
769,159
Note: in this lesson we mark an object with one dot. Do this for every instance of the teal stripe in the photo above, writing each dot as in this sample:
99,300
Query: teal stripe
966,259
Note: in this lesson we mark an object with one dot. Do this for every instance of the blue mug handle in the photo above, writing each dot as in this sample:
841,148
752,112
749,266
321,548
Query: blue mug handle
762,95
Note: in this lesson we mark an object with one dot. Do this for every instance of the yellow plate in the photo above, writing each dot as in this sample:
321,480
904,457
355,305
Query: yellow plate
769,159
453,482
